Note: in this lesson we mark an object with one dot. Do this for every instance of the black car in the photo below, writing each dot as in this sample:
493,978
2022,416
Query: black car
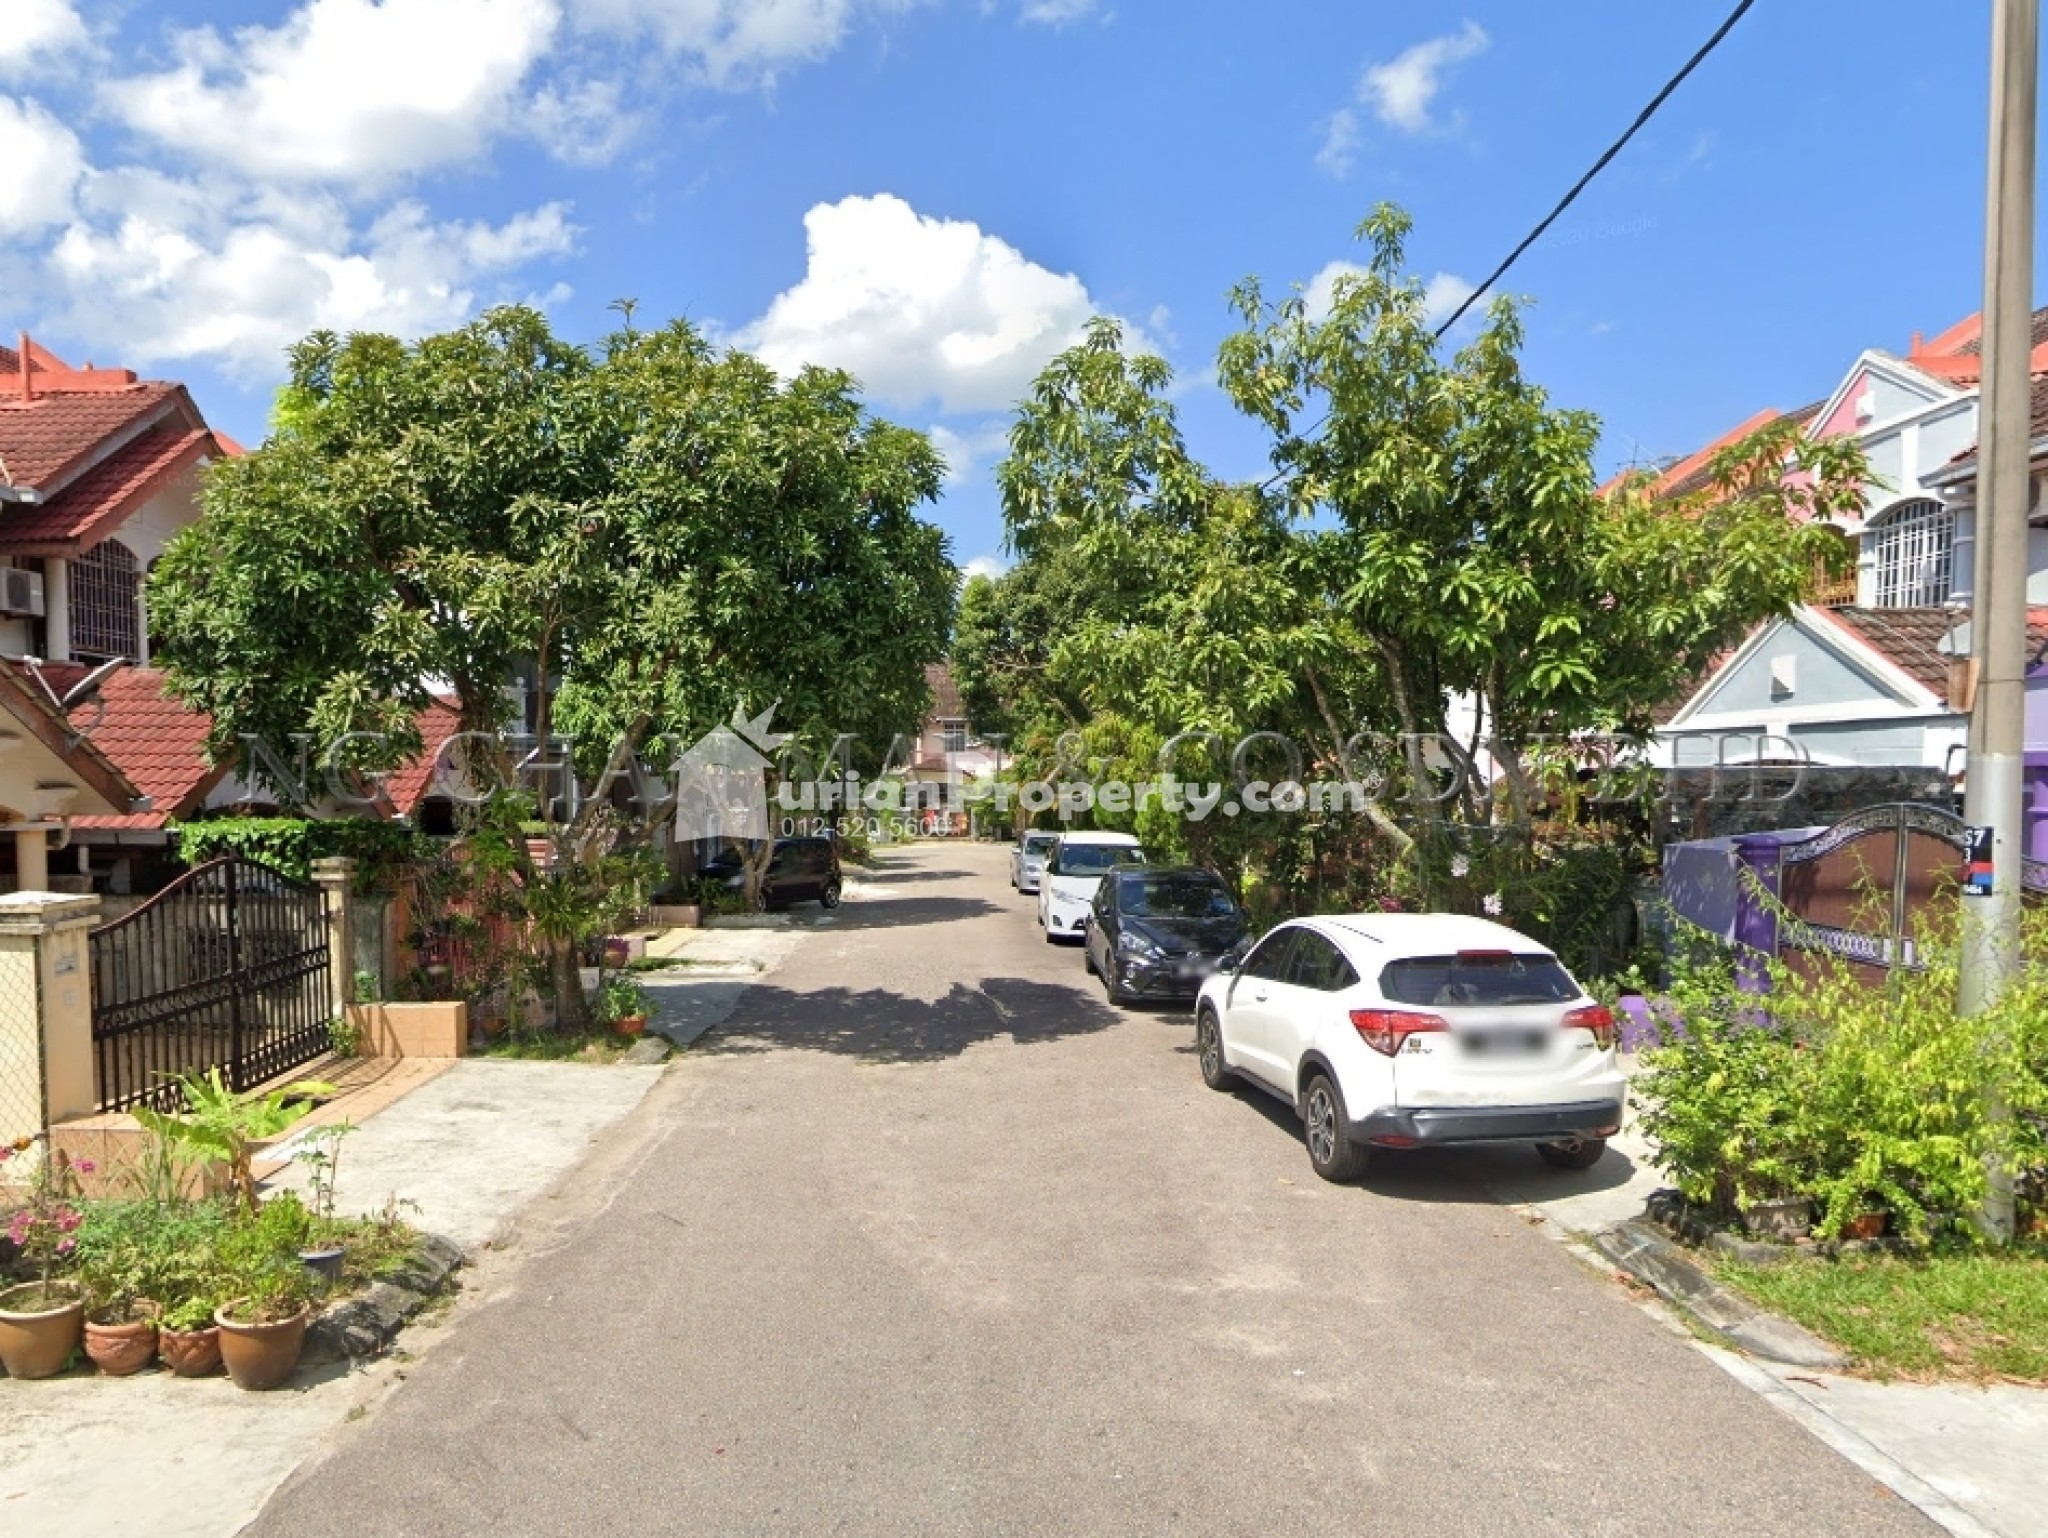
800,870
1157,933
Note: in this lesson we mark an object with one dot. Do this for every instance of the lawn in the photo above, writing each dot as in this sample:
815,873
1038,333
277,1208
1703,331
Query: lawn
1968,1315
549,1046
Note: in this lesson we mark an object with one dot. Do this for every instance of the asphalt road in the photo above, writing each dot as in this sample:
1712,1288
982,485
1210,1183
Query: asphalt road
927,1239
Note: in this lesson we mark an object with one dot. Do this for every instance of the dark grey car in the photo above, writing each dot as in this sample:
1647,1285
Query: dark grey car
1158,933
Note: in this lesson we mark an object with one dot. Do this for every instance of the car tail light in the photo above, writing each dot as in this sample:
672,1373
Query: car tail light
1597,1018
1386,1030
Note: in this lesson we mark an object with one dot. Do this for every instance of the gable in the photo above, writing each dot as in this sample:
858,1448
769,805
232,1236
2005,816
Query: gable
1788,668
1892,393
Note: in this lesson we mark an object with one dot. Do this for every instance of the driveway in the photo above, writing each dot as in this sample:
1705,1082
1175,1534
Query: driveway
926,1238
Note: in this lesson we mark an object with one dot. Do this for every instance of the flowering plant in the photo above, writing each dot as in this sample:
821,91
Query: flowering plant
42,1231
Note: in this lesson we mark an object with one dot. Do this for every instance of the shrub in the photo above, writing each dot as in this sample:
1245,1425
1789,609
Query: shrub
1864,1096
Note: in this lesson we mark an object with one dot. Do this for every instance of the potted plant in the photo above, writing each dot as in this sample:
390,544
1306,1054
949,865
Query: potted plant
41,1320
117,1273
263,1323
187,1339
323,1249
625,1005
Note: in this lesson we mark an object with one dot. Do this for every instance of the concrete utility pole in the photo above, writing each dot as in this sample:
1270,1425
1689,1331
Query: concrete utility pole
1998,628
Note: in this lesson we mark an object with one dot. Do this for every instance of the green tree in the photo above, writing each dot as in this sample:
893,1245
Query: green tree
650,535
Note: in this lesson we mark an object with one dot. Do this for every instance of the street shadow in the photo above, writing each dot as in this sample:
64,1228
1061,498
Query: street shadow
877,1026
905,875
1467,1176
899,912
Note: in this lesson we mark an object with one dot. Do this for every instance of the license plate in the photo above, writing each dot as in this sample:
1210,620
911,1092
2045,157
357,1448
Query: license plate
1192,971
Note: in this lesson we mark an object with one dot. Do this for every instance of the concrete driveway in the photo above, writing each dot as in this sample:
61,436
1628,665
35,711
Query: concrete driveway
926,1238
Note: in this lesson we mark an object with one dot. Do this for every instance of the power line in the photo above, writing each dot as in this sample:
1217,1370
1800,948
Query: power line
1600,165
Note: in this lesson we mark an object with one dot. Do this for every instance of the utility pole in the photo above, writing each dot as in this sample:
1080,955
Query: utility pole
1998,627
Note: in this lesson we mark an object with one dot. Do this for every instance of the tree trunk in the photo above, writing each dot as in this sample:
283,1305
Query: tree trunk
572,1008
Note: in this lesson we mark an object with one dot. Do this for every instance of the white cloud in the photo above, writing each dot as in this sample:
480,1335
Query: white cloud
37,29
966,452
1442,294
1055,13
40,165
734,43
166,271
1401,90
345,90
920,309
984,566
1340,143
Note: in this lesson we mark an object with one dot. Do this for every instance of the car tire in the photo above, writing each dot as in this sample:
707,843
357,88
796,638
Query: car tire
1331,1152
829,897
1088,961
1209,1050
1580,1155
1113,990
1050,937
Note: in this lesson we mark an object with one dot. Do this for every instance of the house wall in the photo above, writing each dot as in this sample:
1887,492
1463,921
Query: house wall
1819,676
1921,739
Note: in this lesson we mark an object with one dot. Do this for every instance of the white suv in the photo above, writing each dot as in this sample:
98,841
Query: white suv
1404,1030
1073,870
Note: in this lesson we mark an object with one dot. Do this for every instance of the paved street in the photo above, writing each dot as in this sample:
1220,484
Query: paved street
926,1238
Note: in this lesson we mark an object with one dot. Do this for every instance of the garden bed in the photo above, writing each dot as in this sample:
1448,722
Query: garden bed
1976,1315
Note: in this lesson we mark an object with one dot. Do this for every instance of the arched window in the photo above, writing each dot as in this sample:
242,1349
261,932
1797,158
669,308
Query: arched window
1914,546
105,619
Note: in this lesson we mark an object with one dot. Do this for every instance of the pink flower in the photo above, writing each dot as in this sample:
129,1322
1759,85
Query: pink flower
85,1166
66,1246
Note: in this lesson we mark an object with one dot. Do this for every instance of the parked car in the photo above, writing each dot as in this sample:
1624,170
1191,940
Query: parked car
1076,863
800,870
1412,1030
1159,932
1027,858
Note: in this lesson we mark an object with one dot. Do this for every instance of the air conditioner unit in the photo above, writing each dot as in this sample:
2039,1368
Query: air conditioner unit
21,592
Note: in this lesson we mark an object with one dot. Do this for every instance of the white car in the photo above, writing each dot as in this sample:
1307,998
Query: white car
1406,1030
1027,859
1073,870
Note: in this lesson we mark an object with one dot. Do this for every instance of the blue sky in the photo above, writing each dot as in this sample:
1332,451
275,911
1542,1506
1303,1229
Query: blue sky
937,193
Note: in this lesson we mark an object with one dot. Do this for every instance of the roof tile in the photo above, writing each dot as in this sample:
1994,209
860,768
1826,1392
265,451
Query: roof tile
104,494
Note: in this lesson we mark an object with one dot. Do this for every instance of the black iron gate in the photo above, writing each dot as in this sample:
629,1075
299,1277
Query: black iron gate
227,967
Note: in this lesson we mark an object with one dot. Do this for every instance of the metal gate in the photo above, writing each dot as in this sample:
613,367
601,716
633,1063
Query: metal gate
1854,889
227,967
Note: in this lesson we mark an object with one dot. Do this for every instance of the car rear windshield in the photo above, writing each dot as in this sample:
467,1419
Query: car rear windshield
1165,895
1038,843
1094,859
1478,977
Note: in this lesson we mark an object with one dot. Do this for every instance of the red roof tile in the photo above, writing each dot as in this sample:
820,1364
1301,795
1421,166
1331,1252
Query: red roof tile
93,504
1911,638
24,699
158,742
45,438
407,784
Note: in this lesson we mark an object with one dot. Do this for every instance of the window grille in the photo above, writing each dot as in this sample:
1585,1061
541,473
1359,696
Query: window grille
1914,545
952,736
105,618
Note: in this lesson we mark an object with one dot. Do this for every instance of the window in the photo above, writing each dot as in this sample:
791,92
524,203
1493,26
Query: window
1095,859
1913,544
105,618
1478,977
952,736
1270,959
1320,965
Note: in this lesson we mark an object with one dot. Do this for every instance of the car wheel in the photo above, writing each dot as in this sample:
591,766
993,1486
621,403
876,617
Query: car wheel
1113,988
829,898
1050,937
1580,1154
1331,1152
1209,1050
1088,961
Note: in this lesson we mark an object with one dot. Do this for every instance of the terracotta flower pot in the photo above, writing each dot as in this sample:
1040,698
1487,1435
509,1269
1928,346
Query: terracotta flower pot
630,1025
1867,1225
36,1336
120,1349
260,1356
190,1353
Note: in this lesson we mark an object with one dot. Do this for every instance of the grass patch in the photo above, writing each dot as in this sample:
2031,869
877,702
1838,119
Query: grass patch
550,1047
657,963
1961,1314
